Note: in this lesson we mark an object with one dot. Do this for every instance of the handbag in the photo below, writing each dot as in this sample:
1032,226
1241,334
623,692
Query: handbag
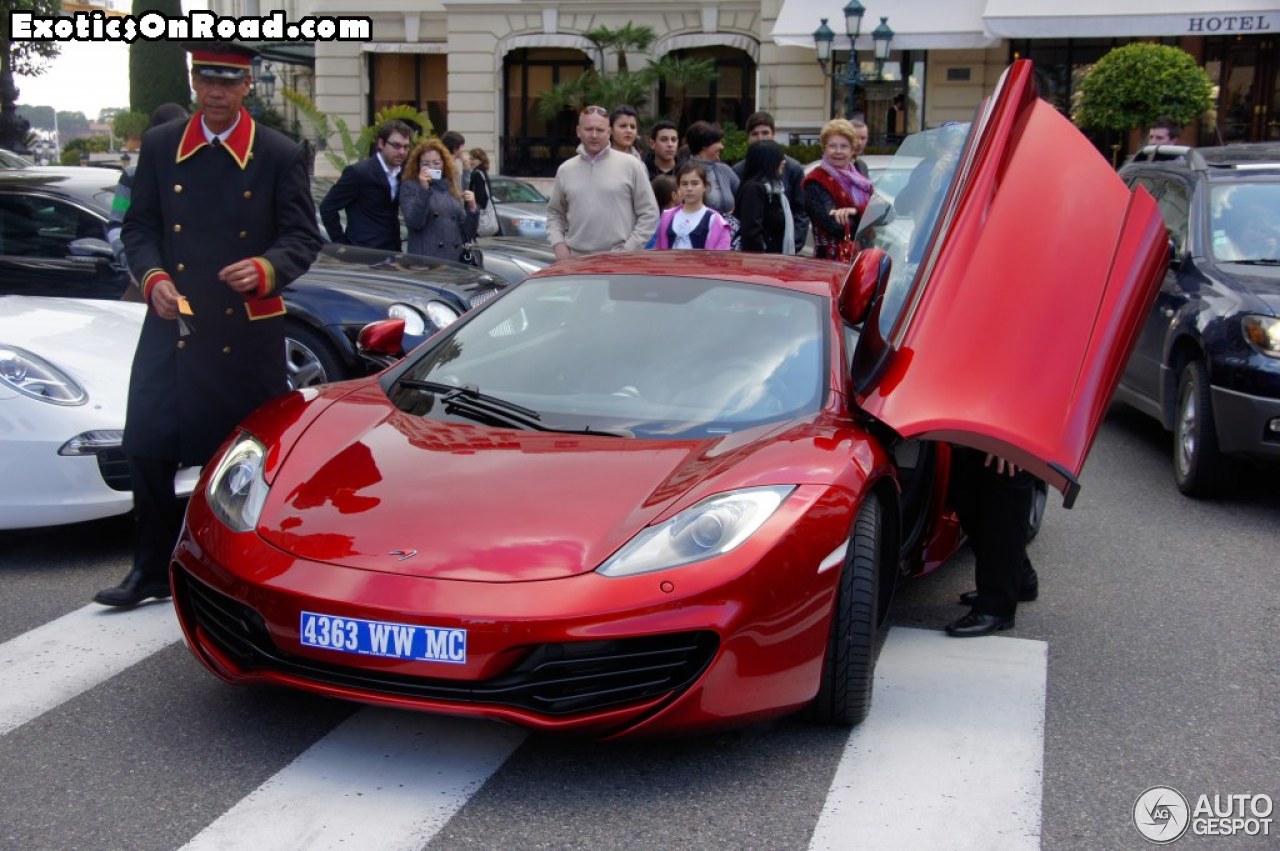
488,221
489,215
846,248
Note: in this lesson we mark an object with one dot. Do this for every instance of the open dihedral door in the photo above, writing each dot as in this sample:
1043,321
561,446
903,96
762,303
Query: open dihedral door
1025,304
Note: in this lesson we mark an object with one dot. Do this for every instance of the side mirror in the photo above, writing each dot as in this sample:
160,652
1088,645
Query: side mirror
866,276
383,339
91,247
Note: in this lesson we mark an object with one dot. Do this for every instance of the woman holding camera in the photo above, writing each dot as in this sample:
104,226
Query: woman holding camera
440,220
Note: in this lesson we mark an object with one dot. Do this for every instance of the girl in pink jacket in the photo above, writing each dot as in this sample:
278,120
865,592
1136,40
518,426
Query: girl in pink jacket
693,224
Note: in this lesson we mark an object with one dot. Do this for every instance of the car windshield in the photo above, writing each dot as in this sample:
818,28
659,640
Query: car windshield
507,191
903,214
650,356
1245,222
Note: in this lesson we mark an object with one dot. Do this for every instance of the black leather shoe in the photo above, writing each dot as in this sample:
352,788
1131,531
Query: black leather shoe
975,624
1030,591
135,588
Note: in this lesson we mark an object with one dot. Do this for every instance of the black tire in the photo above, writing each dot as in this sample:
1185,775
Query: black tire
1198,467
1039,499
309,358
848,671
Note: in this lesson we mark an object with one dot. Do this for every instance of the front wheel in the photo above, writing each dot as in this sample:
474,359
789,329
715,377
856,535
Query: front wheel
844,695
308,358
1198,467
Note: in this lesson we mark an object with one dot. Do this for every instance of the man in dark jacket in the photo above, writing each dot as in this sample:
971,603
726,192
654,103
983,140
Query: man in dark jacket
760,126
221,221
367,191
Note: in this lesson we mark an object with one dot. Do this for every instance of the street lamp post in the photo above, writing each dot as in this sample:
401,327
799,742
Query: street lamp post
823,37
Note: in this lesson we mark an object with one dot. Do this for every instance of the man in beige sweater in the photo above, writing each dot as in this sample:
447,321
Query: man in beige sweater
601,200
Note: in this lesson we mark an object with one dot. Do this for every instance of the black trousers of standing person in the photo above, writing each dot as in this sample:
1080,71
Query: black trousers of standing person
157,515
993,509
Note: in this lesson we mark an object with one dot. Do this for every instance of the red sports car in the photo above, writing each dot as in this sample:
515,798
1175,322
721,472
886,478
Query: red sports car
673,491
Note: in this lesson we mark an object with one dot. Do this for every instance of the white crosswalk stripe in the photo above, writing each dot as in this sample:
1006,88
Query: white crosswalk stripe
941,761
382,779
53,663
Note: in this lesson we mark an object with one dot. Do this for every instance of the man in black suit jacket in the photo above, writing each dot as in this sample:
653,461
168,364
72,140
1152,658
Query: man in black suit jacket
760,126
367,192
221,221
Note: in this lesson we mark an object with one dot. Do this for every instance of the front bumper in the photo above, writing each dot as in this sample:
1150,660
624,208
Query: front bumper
707,646
1247,426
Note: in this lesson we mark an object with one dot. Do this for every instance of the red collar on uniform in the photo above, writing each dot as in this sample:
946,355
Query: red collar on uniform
239,144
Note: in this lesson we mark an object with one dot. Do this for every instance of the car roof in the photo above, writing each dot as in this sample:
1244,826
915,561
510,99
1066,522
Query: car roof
1215,162
81,182
803,274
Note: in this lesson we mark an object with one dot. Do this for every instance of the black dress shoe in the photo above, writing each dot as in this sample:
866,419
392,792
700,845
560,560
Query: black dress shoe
975,624
1030,590
135,588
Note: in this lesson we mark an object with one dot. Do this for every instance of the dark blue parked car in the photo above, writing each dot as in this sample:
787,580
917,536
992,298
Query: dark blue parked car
1207,365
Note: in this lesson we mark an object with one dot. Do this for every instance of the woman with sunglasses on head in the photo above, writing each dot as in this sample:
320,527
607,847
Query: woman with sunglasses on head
440,220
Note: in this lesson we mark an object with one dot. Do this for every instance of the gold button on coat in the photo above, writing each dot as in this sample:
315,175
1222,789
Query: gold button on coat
247,194
226,350
177,228
177,187
244,234
182,267
182,344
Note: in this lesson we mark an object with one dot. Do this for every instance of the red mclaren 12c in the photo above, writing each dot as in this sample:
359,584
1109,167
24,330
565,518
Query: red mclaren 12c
673,491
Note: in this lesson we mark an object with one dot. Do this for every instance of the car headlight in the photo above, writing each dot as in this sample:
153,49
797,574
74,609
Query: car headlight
1263,333
237,490
34,376
713,527
415,324
530,224
441,315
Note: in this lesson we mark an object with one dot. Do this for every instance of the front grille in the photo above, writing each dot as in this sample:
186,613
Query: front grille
551,679
114,467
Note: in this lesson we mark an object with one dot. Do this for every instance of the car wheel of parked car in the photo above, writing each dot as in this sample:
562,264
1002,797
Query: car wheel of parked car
1039,499
1199,468
309,359
844,696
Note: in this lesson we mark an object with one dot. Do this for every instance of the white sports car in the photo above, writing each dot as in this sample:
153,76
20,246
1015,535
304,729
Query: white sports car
64,379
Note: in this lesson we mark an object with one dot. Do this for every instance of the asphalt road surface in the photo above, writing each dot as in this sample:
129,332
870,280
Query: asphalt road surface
1149,660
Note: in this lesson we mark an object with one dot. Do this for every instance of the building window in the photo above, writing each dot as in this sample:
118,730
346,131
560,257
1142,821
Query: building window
420,80
533,145
727,99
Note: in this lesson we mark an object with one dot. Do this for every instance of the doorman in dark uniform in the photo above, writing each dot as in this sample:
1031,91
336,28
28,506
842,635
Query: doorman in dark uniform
221,222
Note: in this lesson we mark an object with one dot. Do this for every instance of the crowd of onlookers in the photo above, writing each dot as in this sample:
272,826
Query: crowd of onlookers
617,192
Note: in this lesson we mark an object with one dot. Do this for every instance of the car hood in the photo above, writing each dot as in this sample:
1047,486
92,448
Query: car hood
538,211
1028,299
1260,282
373,488
91,340
389,273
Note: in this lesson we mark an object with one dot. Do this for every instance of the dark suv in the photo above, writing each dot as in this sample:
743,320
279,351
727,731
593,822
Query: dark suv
1207,365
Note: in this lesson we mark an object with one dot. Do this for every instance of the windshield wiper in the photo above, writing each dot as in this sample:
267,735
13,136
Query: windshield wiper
468,401
1258,261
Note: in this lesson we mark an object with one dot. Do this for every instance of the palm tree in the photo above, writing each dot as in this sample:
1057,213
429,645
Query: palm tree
681,75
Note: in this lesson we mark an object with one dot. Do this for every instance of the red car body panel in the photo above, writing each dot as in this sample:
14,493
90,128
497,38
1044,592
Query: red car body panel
1034,291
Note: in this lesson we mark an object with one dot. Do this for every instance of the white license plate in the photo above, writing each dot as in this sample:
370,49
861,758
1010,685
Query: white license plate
384,638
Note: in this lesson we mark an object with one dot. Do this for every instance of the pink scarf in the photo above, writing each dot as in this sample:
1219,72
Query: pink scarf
858,187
